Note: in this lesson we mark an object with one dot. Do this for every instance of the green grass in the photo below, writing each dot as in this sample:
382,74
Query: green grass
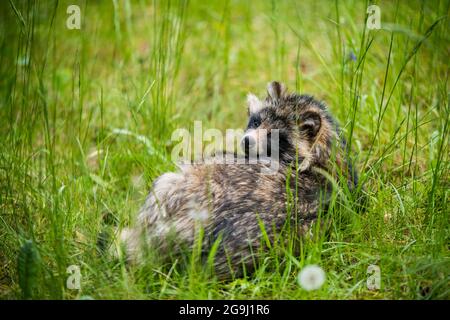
69,171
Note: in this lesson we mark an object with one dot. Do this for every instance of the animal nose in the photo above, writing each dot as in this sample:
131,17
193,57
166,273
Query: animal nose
248,142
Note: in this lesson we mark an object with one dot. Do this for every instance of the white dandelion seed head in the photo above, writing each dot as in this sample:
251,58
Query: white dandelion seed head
311,277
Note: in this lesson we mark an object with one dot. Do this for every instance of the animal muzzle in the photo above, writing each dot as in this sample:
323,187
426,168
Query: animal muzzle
253,142
248,143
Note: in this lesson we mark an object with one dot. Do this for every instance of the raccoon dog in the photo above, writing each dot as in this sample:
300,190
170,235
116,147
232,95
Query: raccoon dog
233,201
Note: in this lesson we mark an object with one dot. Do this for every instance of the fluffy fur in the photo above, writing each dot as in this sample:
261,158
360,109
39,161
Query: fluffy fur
230,200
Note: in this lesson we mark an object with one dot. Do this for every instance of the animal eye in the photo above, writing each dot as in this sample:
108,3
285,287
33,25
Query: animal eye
254,122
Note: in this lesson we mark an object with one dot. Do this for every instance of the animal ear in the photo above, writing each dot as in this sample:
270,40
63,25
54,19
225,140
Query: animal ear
254,104
310,123
276,90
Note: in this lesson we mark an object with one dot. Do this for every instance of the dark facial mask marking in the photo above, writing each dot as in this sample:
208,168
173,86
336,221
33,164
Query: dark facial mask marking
254,121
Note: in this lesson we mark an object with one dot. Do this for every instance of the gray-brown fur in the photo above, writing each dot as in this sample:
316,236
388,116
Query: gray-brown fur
228,199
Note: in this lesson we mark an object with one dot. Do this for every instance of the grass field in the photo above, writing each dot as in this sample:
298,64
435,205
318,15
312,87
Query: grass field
86,118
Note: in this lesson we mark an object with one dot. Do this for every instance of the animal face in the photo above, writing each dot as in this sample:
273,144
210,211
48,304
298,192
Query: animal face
268,133
295,126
